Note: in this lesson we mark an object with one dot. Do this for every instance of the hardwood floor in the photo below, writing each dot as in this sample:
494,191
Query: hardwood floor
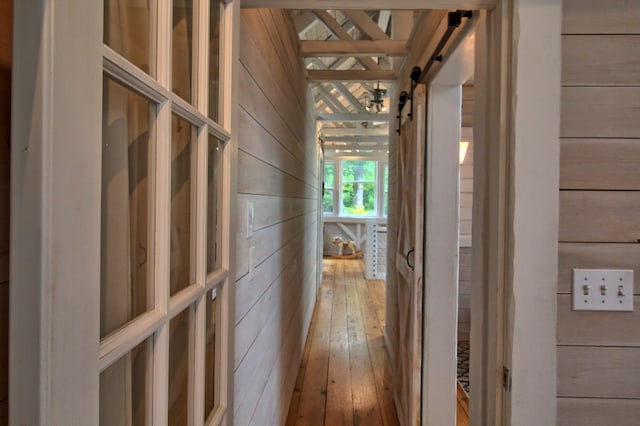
345,375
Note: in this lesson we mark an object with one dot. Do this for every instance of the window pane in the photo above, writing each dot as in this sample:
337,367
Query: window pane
125,388
210,369
179,345
329,175
386,190
213,184
125,290
129,29
182,133
359,188
214,58
358,171
327,201
359,199
182,48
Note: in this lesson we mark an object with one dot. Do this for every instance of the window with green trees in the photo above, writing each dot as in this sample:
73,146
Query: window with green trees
359,187
328,198
355,187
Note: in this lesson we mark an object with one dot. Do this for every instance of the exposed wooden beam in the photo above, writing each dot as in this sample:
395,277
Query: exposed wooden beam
370,4
353,117
356,138
366,24
335,146
350,75
334,104
349,96
358,131
334,27
352,48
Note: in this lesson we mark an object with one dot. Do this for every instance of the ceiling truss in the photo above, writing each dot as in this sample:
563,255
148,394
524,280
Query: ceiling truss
348,54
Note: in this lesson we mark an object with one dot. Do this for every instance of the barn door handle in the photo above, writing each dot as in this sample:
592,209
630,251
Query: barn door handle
409,254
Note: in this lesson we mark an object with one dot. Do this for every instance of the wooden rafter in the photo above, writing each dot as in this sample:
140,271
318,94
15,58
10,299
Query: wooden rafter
366,24
353,117
356,138
348,96
331,100
350,75
371,4
334,27
358,131
334,48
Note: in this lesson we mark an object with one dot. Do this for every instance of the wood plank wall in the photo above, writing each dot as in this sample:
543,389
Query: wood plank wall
278,172
599,353
6,7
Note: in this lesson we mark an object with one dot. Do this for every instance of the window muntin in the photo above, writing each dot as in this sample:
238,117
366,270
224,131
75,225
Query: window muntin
126,289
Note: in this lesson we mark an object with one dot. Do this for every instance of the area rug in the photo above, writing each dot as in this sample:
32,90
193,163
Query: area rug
463,365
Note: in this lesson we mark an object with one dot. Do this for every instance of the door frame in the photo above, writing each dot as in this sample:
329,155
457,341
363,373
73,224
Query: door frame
442,234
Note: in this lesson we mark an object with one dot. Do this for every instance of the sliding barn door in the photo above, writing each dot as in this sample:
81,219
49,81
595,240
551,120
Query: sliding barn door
408,271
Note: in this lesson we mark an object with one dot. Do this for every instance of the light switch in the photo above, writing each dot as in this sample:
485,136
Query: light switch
603,290
249,220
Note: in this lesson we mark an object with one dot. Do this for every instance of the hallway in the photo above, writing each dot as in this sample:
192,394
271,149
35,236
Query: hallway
345,376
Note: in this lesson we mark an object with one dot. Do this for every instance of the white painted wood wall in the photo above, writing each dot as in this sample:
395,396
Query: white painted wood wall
599,352
278,171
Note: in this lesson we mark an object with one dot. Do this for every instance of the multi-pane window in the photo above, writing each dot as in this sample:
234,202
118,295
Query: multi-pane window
328,196
355,187
164,257
359,188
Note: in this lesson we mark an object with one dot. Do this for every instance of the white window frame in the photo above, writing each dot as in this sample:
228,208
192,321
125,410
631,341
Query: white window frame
381,162
56,349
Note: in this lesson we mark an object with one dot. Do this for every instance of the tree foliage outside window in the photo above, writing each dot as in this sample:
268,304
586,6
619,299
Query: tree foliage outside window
386,190
359,187
328,204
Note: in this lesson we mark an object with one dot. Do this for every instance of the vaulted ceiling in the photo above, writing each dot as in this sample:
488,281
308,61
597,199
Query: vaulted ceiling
352,58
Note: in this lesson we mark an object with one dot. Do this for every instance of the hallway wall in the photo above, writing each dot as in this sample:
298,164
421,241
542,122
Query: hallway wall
598,352
5,124
278,172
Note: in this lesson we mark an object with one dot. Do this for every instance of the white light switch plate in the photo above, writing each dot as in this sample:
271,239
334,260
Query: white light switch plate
249,220
603,290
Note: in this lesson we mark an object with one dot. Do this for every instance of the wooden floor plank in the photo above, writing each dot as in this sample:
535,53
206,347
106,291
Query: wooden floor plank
339,399
314,390
462,415
372,312
366,410
345,377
